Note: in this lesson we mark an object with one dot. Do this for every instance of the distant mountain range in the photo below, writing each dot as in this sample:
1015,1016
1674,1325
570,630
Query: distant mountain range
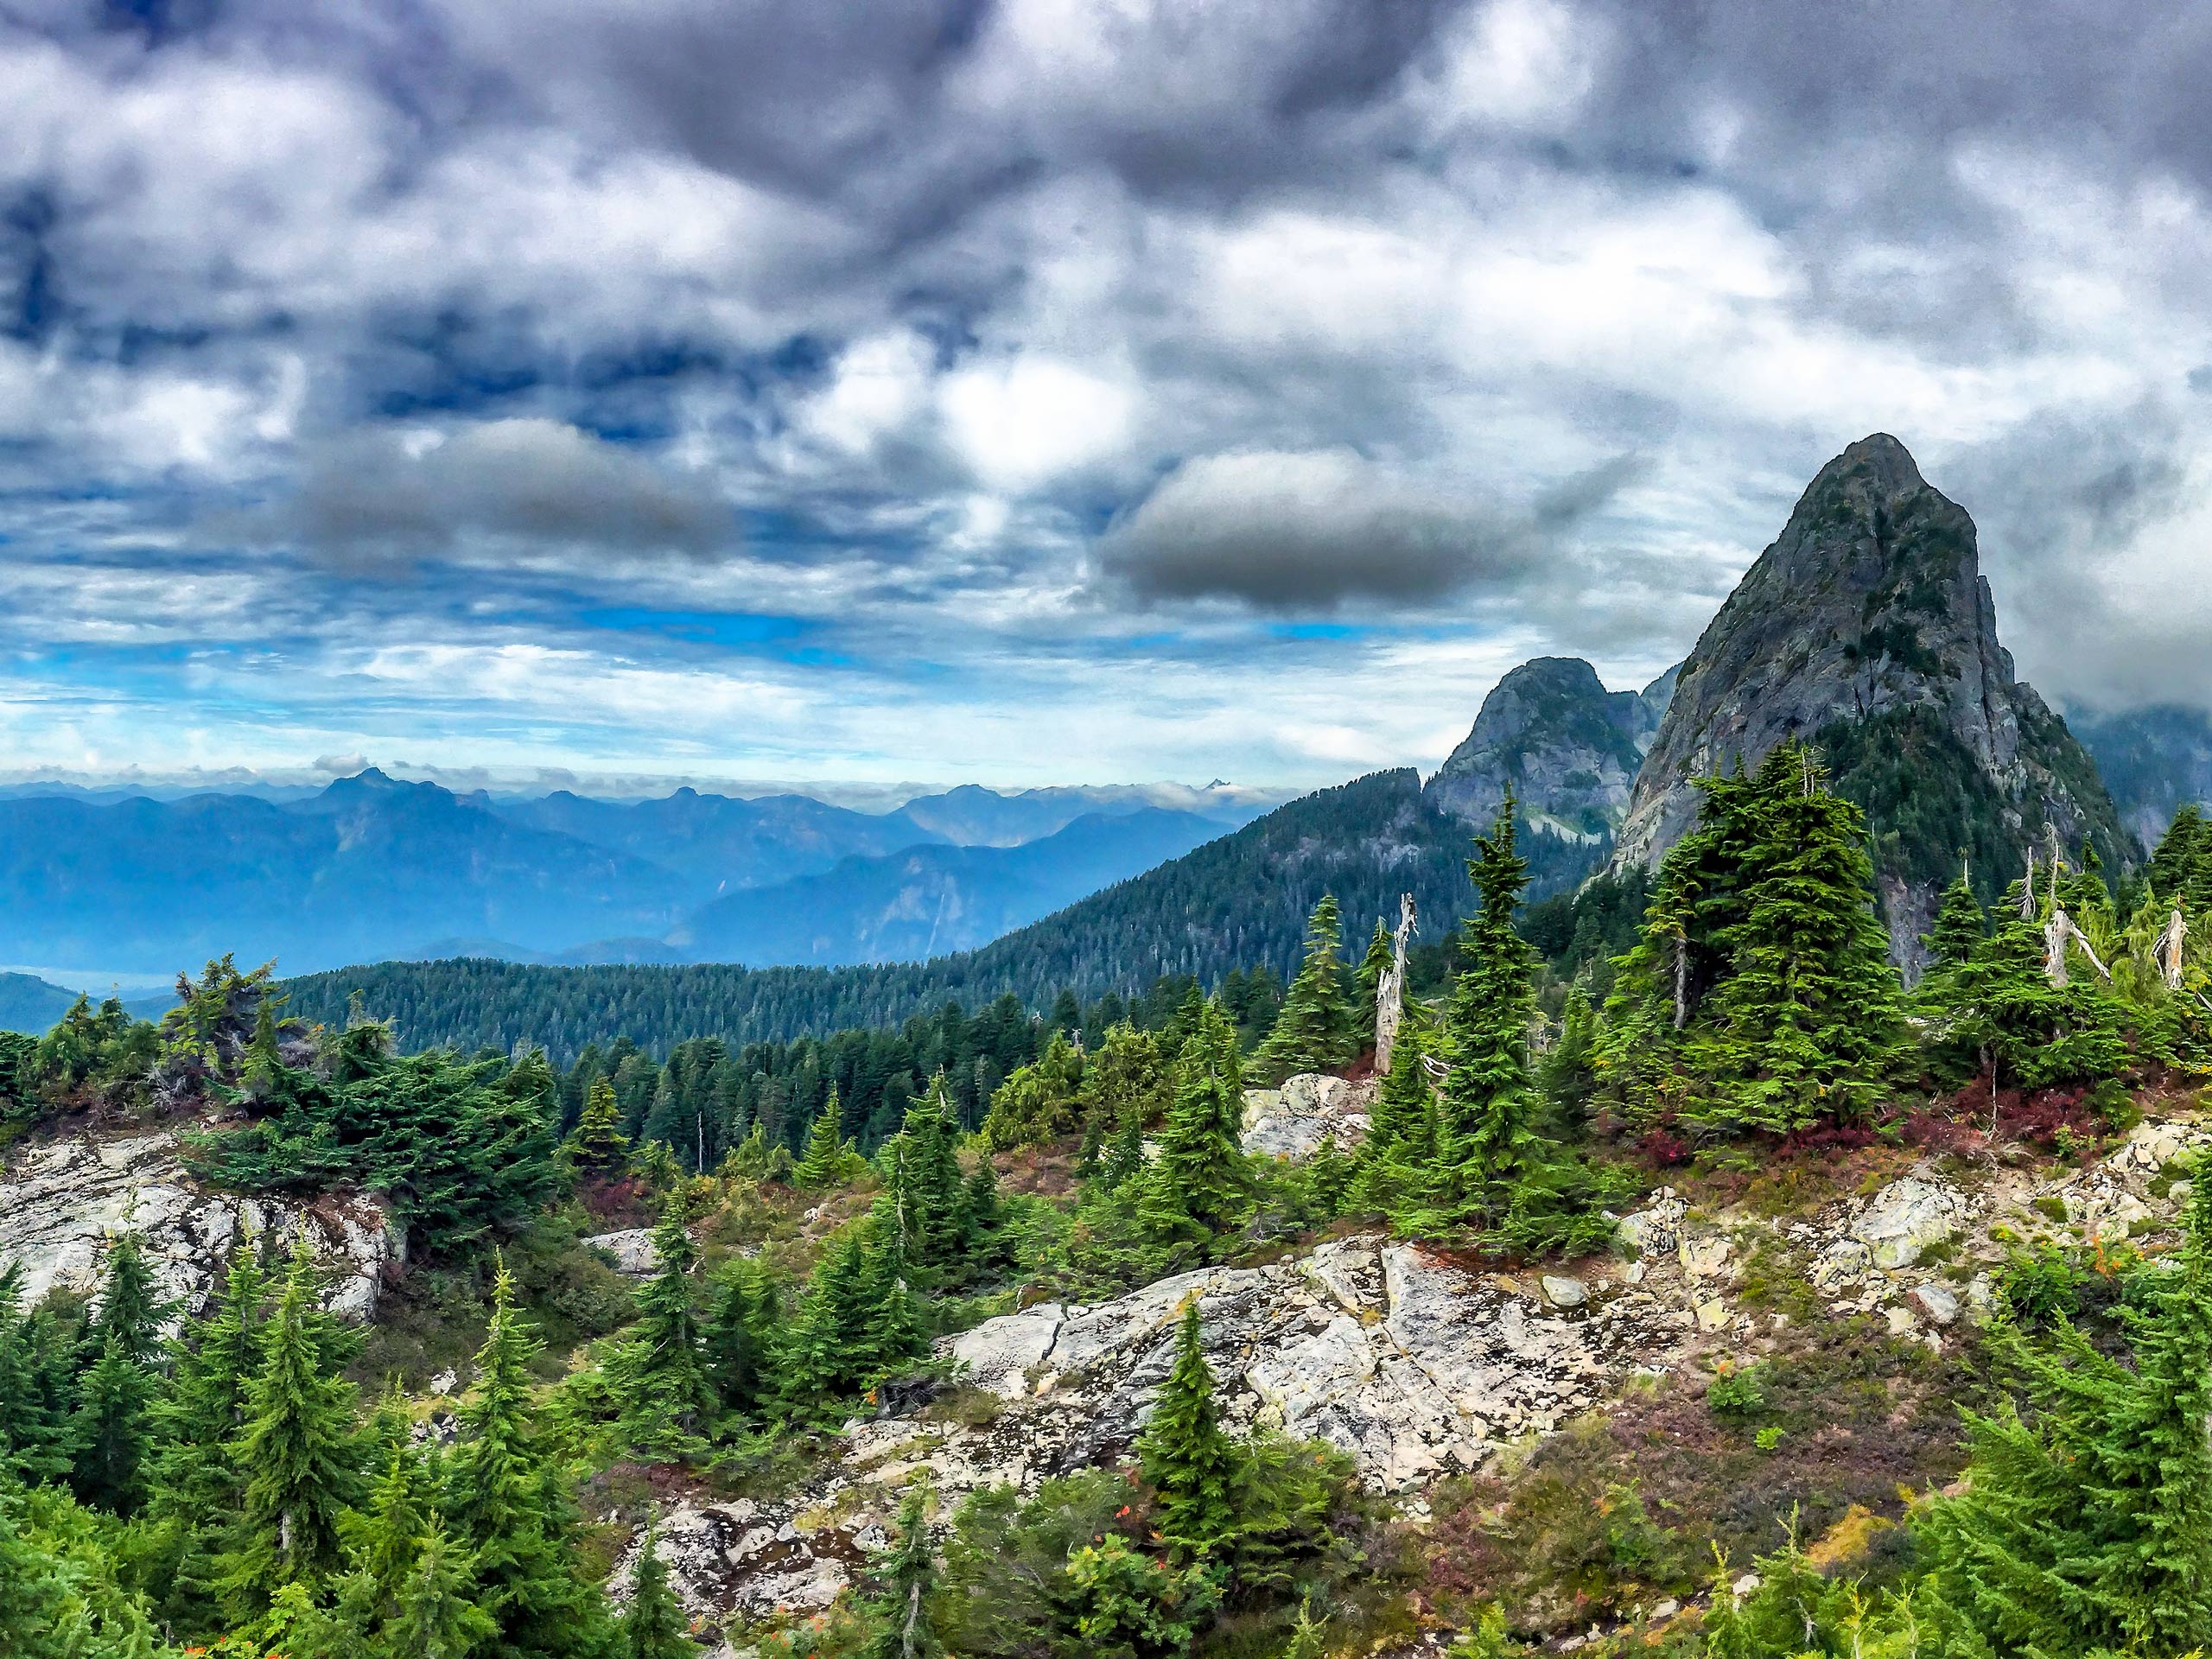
371,867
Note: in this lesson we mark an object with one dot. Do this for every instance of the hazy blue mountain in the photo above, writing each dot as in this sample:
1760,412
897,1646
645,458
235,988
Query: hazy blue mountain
719,843
28,1003
367,868
931,900
2153,760
973,816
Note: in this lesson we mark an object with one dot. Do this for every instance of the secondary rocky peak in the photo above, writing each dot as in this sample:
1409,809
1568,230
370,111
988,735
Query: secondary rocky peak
1868,627
1565,746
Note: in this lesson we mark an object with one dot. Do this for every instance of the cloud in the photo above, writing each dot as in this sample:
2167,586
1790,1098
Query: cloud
383,494
1320,529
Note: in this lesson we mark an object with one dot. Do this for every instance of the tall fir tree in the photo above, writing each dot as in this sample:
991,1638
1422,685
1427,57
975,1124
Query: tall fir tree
198,1472
130,1310
659,1373
299,1449
1489,1104
1199,1187
736,1341
438,1614
1381,955
828,1356
37,1378
823,1164
653,1626
2087,1525
1959,926
907,1575
509,1505
113,1430
598,1147
1314,1030
1188,1459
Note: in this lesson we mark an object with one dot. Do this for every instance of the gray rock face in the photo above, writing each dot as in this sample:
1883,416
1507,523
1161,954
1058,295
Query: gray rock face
61,1203
1565,746
631,1249
1293,1121
1870,603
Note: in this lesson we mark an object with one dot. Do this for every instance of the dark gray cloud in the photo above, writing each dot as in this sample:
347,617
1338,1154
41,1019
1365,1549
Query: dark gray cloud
376,496
1317,529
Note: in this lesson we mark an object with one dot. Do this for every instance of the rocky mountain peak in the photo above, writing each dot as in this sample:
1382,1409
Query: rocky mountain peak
1868,628
1567,747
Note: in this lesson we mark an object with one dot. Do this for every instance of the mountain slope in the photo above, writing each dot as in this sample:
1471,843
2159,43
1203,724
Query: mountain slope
933,900
1868,628
28,1003
971,816
366,867
717,843
1567,749
1236,902
2154,760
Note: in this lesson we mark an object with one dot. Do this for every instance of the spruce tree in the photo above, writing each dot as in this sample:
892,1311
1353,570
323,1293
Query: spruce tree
824,1162
2087,1524
199,1416
734,1341
35,1389
828,1355
438,1615
1381,955
1396,1165
298,1449
1186,1456
653,1626
113,1430
1489,1104
1314,1031
1811,1008
131,1309
598,1147
1959,926
510,1506
659,1373
908,1577
1199,1187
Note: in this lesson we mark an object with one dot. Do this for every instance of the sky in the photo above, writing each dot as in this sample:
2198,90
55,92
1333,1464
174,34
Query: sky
1024,391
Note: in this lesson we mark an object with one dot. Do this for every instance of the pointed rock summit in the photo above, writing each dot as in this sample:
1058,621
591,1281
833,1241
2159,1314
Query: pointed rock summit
1565,746
1868,627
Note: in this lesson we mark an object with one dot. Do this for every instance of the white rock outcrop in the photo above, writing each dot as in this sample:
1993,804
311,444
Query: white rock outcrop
1310,1109
631,1249
62,1201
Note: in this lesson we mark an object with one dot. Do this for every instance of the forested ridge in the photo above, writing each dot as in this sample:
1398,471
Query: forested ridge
248,1476
1239,903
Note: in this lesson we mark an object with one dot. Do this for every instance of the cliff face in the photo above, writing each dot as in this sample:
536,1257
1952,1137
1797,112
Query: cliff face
1867,628
2155,762
1565,746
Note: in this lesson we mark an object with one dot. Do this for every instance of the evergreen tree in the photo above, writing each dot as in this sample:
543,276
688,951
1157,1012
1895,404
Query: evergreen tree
1199,1187
509,1505
1568,1079
1397,1161
113,1429
659,1373
1489,1104
828,1355
1811,1005
130,1309
2087,1525
824,1162
298,1450
1187,1458
1314,1032
653,1626
908,1577
1959,926
36,1386
734,1341
1998,1013
1125,1079
438,1615
199,1417
1381,955
598,1147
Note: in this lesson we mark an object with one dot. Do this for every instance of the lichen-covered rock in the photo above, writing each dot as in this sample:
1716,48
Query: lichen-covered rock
62,1201
736,1557
1308,1110
1655,1229
1411,1363
1908,1216
631,1249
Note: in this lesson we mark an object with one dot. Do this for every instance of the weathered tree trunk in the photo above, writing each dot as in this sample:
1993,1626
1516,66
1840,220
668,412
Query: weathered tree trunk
1390,994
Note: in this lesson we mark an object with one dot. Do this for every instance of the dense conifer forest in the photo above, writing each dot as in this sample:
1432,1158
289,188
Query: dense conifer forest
251,1475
